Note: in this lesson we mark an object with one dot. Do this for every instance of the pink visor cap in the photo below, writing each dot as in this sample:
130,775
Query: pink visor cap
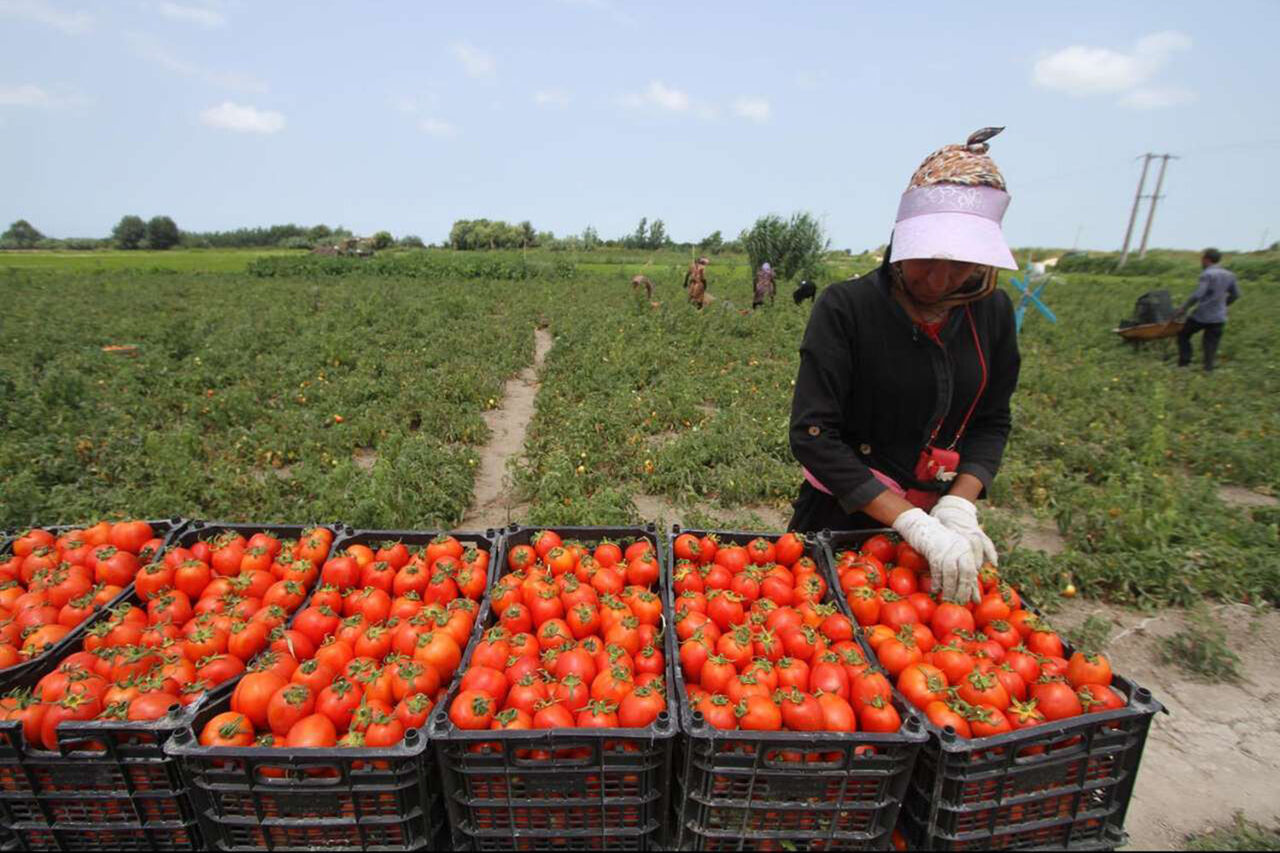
952,222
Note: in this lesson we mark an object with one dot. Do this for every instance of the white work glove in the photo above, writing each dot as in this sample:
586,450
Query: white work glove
961,516
951,561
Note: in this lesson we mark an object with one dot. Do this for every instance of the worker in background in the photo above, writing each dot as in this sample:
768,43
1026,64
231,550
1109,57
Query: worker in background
764,286
695,281
1217,289
901,406
641,282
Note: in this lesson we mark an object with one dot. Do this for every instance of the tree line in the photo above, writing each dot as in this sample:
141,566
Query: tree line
793,246
161,232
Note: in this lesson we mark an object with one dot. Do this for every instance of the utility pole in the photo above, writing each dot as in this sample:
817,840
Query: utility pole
1155,197
1133,214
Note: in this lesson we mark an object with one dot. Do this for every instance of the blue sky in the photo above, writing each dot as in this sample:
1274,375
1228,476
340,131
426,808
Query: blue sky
408,115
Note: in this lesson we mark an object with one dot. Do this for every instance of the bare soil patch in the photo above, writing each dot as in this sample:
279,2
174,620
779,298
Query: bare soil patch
1240,496
1041,536
1218,748
493,503
365,458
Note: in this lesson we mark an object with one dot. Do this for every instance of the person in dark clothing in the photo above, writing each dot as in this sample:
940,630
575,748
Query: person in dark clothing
901,407
1216,290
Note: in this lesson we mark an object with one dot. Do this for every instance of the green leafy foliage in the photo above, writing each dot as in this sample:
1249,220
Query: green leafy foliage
1201,649
1240,834
129,232
794,247
1091,636
162,233
21,234
421,265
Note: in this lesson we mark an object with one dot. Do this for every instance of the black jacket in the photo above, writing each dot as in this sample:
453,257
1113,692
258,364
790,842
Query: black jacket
871,387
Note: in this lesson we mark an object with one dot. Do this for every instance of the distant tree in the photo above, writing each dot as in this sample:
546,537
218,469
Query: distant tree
21,235
383,240
712,244
410,241
657,235
528,236
794,247
1275,247
490,234
640,236
162,233
129,232
590,239
319,232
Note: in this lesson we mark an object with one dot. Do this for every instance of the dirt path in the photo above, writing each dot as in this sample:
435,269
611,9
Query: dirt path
1218,750
493,503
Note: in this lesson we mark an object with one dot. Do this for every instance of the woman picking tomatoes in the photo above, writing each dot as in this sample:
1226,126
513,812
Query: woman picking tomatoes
901,402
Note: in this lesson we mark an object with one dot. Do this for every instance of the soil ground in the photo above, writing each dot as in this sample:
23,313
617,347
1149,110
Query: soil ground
492,504
1218,748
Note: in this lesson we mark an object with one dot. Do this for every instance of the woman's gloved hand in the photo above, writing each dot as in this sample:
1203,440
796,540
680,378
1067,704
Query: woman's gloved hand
961,516
951,558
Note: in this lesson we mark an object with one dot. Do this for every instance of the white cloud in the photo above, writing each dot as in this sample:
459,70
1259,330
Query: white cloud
436,127
1155,99
42,12
30,95
24,96
202,16
1082,71
755,109
658,94
152,50
242,119
475,61
555,98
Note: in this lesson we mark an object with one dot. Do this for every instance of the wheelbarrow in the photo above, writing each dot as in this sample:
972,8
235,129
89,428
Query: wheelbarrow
1142,332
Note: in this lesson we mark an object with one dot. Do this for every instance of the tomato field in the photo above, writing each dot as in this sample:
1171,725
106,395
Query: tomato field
265,387
359,396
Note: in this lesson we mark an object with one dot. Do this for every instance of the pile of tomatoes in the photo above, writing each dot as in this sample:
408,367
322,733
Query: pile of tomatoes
984,669
366,660
759,648
577,644
50,584
203,613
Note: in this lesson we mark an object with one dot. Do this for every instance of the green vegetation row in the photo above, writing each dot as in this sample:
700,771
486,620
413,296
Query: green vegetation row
228,409
429,266
1252,266
248,402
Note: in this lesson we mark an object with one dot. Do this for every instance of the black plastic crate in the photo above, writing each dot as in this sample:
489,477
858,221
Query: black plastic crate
107,772
1063,785
567,789
255,798
165,528
171,836
739,790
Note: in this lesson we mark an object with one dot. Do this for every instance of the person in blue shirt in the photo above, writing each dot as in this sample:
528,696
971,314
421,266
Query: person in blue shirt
1217,289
